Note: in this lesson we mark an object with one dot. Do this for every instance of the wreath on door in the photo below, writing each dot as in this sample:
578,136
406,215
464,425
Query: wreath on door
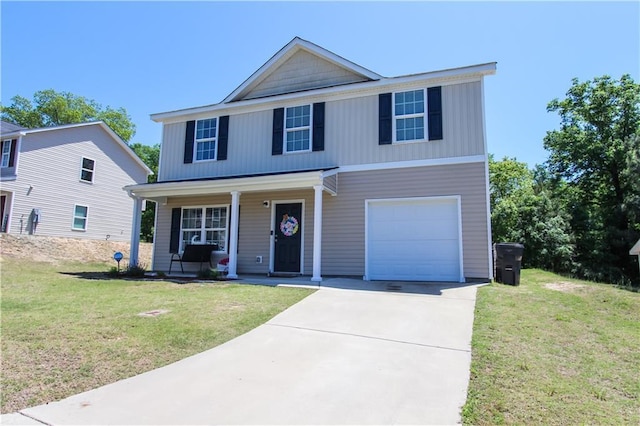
289,225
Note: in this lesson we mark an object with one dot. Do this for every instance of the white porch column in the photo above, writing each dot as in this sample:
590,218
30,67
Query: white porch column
317,233
233,240
135,230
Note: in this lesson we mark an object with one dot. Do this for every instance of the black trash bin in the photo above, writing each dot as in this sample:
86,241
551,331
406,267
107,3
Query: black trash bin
508,258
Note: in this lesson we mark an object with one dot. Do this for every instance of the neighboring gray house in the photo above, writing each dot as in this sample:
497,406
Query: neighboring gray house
635,251
66,181
318,166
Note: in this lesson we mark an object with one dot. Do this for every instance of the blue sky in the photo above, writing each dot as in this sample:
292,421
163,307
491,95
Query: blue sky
151,57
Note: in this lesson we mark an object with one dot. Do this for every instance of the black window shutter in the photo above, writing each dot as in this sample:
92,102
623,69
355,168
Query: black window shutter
278,131
223,137
385,119
12,155
434,109
188,141
176,216
318,126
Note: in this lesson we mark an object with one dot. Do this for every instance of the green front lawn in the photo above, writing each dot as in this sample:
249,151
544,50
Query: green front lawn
65,333
555,351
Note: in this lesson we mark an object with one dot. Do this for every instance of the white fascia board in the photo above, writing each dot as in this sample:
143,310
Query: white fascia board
635,250
412,163
367,88
286,52
12,135
224,186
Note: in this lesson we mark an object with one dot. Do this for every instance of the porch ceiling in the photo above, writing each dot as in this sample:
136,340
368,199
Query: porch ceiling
242,184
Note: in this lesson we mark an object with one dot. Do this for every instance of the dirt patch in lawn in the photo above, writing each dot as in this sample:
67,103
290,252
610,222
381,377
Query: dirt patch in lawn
55,250
564,286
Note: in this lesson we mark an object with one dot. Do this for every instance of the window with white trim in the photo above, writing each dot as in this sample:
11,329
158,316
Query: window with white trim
204,225
80,217
6,153
408,110
297,125
206,139
86,170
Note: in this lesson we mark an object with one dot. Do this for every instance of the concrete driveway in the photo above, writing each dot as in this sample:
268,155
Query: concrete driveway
340,356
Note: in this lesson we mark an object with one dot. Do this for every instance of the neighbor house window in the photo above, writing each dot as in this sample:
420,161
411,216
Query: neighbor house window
204,225
298,128
409,115
80,215
87,169
206,138
6,153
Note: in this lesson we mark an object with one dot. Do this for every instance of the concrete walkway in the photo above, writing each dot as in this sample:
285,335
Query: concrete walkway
340,356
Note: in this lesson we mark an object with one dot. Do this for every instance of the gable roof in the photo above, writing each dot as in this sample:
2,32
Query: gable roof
360,89
7,127
635,249
288,59
21,131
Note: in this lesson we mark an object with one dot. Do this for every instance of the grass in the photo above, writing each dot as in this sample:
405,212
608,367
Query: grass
555,351
63,334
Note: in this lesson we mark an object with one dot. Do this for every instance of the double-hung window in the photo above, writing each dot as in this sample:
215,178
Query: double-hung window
204,225
86,170
409,110
206,139
298,128
80,217
6,153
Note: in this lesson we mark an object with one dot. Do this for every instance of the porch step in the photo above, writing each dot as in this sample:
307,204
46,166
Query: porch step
284,274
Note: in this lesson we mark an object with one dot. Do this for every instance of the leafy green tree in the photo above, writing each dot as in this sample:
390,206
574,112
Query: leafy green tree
51,108
524,210
596,152
150,155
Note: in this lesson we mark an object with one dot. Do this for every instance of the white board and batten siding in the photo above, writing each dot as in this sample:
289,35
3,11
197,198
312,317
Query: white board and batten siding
48,179
351,138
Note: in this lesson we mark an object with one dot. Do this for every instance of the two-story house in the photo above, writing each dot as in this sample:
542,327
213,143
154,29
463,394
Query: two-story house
66,181
318,166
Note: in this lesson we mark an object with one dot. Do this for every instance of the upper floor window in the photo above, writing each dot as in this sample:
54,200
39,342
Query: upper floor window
409,110
80,217
206,138
298,128
87,169
6,153
204,225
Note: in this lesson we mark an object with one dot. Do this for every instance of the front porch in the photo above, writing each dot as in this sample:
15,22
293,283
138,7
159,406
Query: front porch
280,229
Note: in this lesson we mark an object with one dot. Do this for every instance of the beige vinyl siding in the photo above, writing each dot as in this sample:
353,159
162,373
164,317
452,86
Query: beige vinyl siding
343,236
351,138
302,71
50,163
254,237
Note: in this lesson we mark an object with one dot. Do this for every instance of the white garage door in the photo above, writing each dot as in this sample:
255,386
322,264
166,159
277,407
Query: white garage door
413,240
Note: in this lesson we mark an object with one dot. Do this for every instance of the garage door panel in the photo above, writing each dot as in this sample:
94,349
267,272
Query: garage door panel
414,240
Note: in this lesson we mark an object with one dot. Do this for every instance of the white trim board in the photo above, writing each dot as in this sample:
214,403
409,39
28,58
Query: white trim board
412,163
